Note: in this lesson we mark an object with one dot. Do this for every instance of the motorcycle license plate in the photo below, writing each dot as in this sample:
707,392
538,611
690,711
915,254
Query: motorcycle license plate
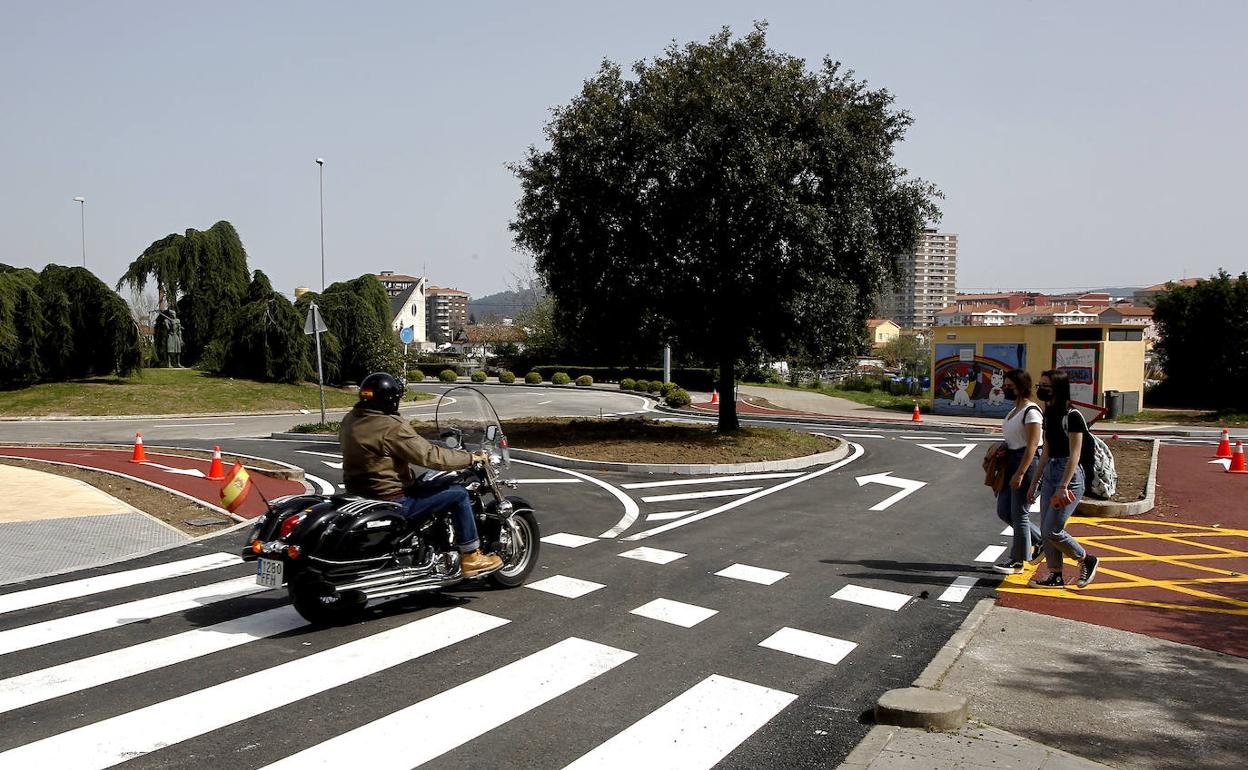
269,573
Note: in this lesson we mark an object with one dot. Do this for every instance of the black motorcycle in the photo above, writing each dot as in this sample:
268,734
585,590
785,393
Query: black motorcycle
335,553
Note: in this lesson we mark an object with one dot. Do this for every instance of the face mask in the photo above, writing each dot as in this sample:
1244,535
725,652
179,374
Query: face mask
1010,393
1043,393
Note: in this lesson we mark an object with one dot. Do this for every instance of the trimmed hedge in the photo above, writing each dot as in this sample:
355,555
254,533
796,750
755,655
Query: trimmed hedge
690,378
448,375
641,386
655,386
415,375
560,378
506,377
677,397
584,381
628,383
533,378
478,376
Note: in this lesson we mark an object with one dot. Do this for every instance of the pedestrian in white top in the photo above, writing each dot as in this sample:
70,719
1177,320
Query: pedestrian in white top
1023,429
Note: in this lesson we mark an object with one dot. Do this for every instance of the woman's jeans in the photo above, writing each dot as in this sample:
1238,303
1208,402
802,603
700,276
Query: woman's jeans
453,498
1057,541
1012,506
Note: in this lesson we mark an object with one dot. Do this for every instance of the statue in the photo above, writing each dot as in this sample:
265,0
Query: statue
173,343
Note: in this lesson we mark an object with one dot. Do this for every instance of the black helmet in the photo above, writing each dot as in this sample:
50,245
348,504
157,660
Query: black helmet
382,391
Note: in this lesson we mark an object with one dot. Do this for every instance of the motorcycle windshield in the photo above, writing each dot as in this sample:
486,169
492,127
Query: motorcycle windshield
465,416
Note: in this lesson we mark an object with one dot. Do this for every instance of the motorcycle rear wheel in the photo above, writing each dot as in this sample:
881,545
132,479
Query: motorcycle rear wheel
519,551
321,604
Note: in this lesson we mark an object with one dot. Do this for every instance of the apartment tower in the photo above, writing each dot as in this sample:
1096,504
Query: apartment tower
929,281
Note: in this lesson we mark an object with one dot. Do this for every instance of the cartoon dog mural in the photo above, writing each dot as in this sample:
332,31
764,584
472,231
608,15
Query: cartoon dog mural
961,397
996,396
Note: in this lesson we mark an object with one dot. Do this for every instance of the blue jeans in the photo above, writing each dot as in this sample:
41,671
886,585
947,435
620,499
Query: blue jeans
1012,506
1057,541
455,499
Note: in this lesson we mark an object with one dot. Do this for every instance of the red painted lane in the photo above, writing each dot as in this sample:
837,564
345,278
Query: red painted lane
1190,490
118,461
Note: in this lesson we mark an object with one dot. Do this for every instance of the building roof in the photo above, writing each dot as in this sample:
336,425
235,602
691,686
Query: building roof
1162,286
1131,310
1061,309
957,309
874,322
444,290
395,277
482,333
400,300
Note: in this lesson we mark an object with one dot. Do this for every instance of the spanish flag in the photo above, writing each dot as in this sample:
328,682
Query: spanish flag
237,486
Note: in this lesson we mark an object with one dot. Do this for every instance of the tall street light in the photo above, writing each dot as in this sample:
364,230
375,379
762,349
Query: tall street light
82,211
320,164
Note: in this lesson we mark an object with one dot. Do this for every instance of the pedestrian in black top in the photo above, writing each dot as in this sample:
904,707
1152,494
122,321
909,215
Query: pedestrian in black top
1061,481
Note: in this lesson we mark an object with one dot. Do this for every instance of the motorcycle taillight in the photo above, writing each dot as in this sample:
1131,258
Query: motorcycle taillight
289,525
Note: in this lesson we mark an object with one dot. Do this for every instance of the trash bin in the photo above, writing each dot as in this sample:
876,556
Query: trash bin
1113,404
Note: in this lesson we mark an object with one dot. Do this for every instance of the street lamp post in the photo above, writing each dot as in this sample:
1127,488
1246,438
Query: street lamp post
320,165
82,211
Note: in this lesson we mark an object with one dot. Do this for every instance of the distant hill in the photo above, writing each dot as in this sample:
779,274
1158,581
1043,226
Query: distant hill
504,304
1120,291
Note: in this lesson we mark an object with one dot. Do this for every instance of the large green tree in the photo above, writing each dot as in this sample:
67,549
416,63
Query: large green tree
360,340
266,342
722,199
1203,346
22,328
203,274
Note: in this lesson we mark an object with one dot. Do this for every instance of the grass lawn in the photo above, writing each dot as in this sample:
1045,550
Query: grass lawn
165,391
1223,418
645,441
877,398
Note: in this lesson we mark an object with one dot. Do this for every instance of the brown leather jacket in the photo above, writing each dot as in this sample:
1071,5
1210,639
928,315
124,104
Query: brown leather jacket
378,450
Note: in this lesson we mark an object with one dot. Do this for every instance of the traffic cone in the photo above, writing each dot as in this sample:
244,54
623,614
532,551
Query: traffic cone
1237,460
139,455
714,396
1224,446
216,472
916,417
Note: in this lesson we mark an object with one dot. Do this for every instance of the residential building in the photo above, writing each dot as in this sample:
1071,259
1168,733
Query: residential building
1129,315
396,284
446,313
478,341
1007,300
963,314
881,331
1059,314
929,278
1144,297
407,305
1080,299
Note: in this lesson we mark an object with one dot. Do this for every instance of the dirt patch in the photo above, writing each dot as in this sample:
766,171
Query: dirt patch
173,510
649,441
1132,460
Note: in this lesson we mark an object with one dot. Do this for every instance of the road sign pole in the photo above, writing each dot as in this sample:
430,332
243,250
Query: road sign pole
314,326
667,363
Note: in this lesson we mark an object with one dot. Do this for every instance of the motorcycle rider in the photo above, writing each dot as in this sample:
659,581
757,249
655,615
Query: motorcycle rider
378,446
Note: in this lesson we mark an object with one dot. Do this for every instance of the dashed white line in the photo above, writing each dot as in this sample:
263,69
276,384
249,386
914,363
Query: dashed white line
699,495
826,649
752,574
631,510
567,587
334,455
872,597
958,590
547,481
668,515
676,613
710,480
568,540
653,555
991,553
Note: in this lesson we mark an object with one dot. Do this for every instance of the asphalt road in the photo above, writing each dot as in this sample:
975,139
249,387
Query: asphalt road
760,675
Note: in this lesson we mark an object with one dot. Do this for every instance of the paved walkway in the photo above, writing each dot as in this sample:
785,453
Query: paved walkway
50,524
973,747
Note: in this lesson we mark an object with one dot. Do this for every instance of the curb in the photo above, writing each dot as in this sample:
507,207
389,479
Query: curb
178,416
1110,509
922,705
681,469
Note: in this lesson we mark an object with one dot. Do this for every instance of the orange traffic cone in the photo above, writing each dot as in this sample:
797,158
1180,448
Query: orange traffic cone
916,417
714,396
216,472
1237,460
139,455
1224,446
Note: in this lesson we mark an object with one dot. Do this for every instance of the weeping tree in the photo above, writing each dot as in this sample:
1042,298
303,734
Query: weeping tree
723,199
266,341
62,323
203,274
357,313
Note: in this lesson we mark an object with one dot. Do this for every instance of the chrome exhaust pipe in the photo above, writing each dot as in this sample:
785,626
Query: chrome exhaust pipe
382,579
415,586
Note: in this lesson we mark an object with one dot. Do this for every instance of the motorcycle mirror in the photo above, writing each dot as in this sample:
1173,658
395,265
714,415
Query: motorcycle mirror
491,432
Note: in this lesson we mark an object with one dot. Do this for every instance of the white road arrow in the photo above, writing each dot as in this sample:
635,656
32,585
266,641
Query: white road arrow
179,471
1225,462
907,487
959,451
336,466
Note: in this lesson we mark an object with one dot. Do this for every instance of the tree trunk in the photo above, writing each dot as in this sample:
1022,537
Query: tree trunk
728,422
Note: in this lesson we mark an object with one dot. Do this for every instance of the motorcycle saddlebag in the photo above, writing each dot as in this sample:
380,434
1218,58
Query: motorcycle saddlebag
364,529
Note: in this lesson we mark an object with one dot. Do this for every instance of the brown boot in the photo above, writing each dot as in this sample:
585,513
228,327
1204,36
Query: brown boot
477,563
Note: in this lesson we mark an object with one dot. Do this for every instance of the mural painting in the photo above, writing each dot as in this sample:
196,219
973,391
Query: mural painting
970,384
1082,362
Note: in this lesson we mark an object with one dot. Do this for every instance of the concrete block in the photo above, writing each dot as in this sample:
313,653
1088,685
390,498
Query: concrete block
919,707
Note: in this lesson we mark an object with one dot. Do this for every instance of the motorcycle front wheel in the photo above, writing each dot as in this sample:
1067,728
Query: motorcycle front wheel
321,604
520,545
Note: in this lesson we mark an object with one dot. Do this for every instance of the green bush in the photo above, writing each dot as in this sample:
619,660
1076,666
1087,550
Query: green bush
478,376
560,378
667,387
816,384
641,386
506,377
654,386
448,375
698,379
415,375
584,381
533,378
628,383
677,397
316,427
863,384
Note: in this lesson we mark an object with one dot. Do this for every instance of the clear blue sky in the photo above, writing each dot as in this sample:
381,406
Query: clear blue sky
1078,144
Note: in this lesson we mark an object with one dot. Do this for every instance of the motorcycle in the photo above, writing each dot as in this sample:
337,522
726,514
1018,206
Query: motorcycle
336,553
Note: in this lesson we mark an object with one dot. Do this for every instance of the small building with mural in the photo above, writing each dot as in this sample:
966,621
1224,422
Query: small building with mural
969,363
